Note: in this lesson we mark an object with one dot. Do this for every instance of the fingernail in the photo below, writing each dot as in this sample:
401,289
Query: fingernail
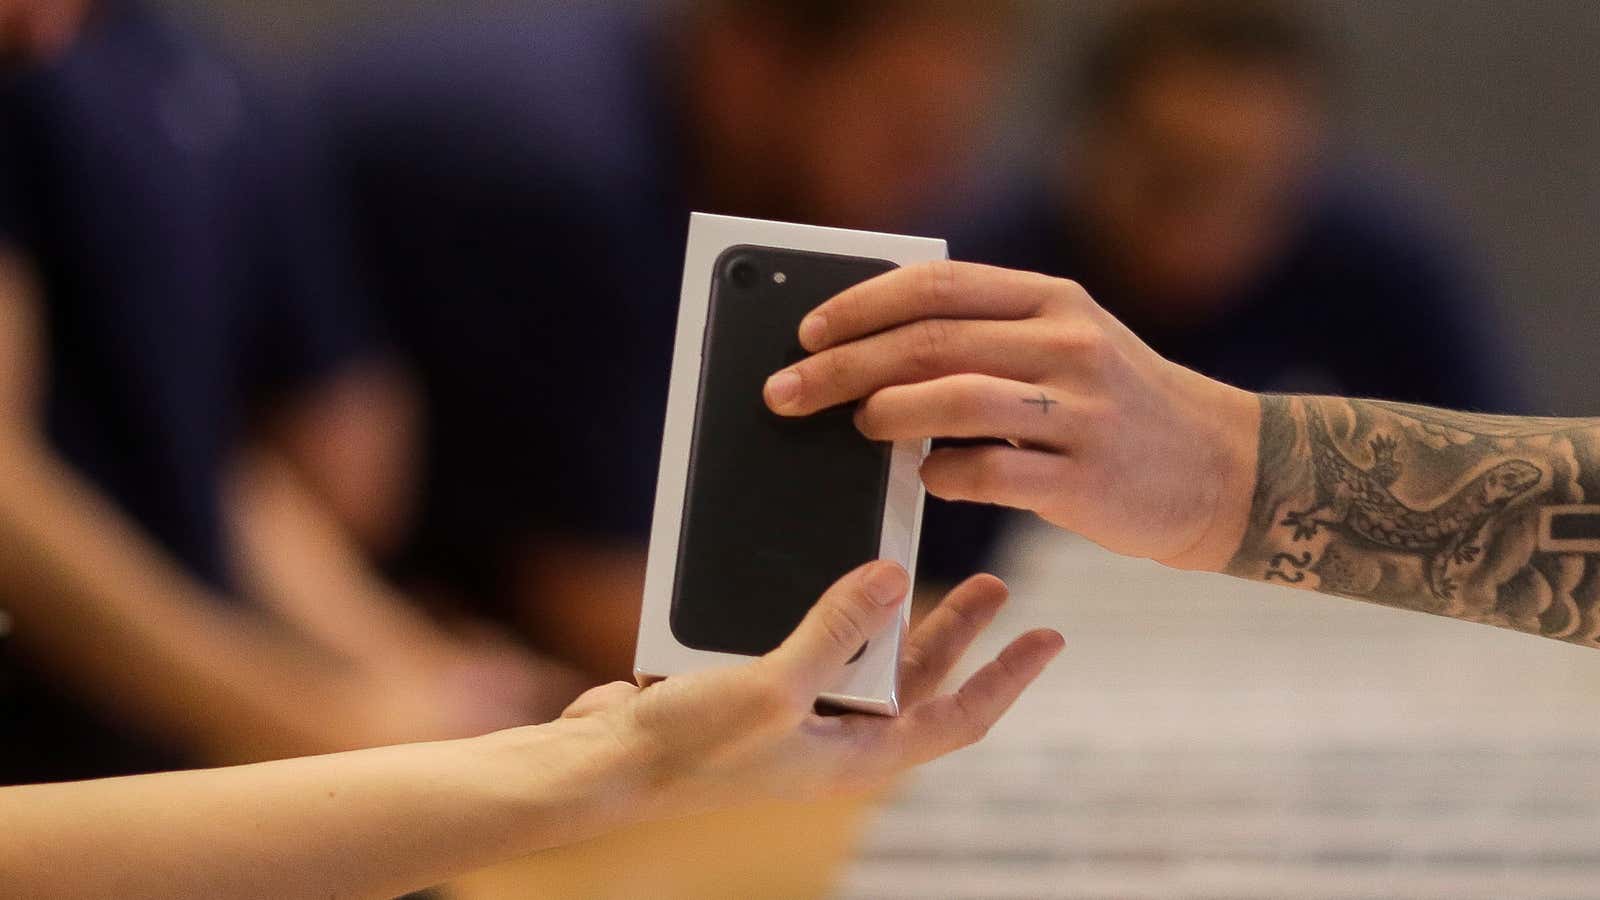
812,329
887,584
783,388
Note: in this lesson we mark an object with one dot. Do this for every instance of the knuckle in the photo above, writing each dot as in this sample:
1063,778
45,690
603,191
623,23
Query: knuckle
967,619
1074,337
1107,417
930,342
1084,343
1094,413
1007,667
842,622
1060,295
1072,291
937,285
1095,346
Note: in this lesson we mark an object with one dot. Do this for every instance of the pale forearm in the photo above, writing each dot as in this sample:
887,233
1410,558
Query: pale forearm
1491,519
294,556
352,440
381,822
371,823
105,611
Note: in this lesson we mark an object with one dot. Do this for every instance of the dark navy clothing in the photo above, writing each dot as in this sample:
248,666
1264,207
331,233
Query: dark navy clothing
520,184
189,279
1362,302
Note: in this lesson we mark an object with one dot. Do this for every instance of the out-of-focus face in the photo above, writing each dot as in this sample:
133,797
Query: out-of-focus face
863,133
882,126
1195,179
39,29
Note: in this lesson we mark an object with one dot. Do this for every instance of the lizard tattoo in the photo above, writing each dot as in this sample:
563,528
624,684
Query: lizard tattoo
1359,502
1416,494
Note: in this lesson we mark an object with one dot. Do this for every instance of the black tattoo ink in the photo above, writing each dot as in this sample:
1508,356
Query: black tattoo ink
1485,518
1358,501
1043,402
1297,564
1576,526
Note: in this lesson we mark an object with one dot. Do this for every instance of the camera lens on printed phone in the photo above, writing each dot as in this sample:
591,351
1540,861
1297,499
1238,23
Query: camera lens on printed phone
743,274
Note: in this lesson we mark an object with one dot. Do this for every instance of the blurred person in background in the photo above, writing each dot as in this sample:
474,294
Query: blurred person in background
200,440
522,183
1200,203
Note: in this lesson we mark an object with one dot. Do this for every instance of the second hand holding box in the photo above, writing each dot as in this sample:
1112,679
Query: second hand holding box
755,514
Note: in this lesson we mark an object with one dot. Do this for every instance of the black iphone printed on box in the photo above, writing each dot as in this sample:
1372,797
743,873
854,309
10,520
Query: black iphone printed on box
776,508
757,514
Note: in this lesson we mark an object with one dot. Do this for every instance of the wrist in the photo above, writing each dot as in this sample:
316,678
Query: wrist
566,780
1230,424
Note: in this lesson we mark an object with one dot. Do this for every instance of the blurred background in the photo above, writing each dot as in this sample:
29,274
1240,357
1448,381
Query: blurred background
408,473
1488,109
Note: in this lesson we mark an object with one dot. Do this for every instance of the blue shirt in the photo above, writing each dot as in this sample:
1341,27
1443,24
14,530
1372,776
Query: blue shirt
519,186
1363,301
189,280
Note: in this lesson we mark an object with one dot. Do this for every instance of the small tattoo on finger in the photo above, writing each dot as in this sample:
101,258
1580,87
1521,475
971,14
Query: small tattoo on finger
1042,401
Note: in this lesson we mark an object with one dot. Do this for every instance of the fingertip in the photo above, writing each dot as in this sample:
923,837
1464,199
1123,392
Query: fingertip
863,421
814,332
979,597
886,582
782,392
1027,656
988,584
1046,641
936,479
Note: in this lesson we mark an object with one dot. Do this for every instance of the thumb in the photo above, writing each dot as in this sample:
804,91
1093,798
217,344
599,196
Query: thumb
856,608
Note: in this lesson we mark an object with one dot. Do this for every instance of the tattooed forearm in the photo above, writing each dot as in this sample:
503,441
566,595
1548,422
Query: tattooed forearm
1486,518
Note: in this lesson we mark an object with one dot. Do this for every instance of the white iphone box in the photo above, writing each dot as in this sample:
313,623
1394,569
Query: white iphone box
757,514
